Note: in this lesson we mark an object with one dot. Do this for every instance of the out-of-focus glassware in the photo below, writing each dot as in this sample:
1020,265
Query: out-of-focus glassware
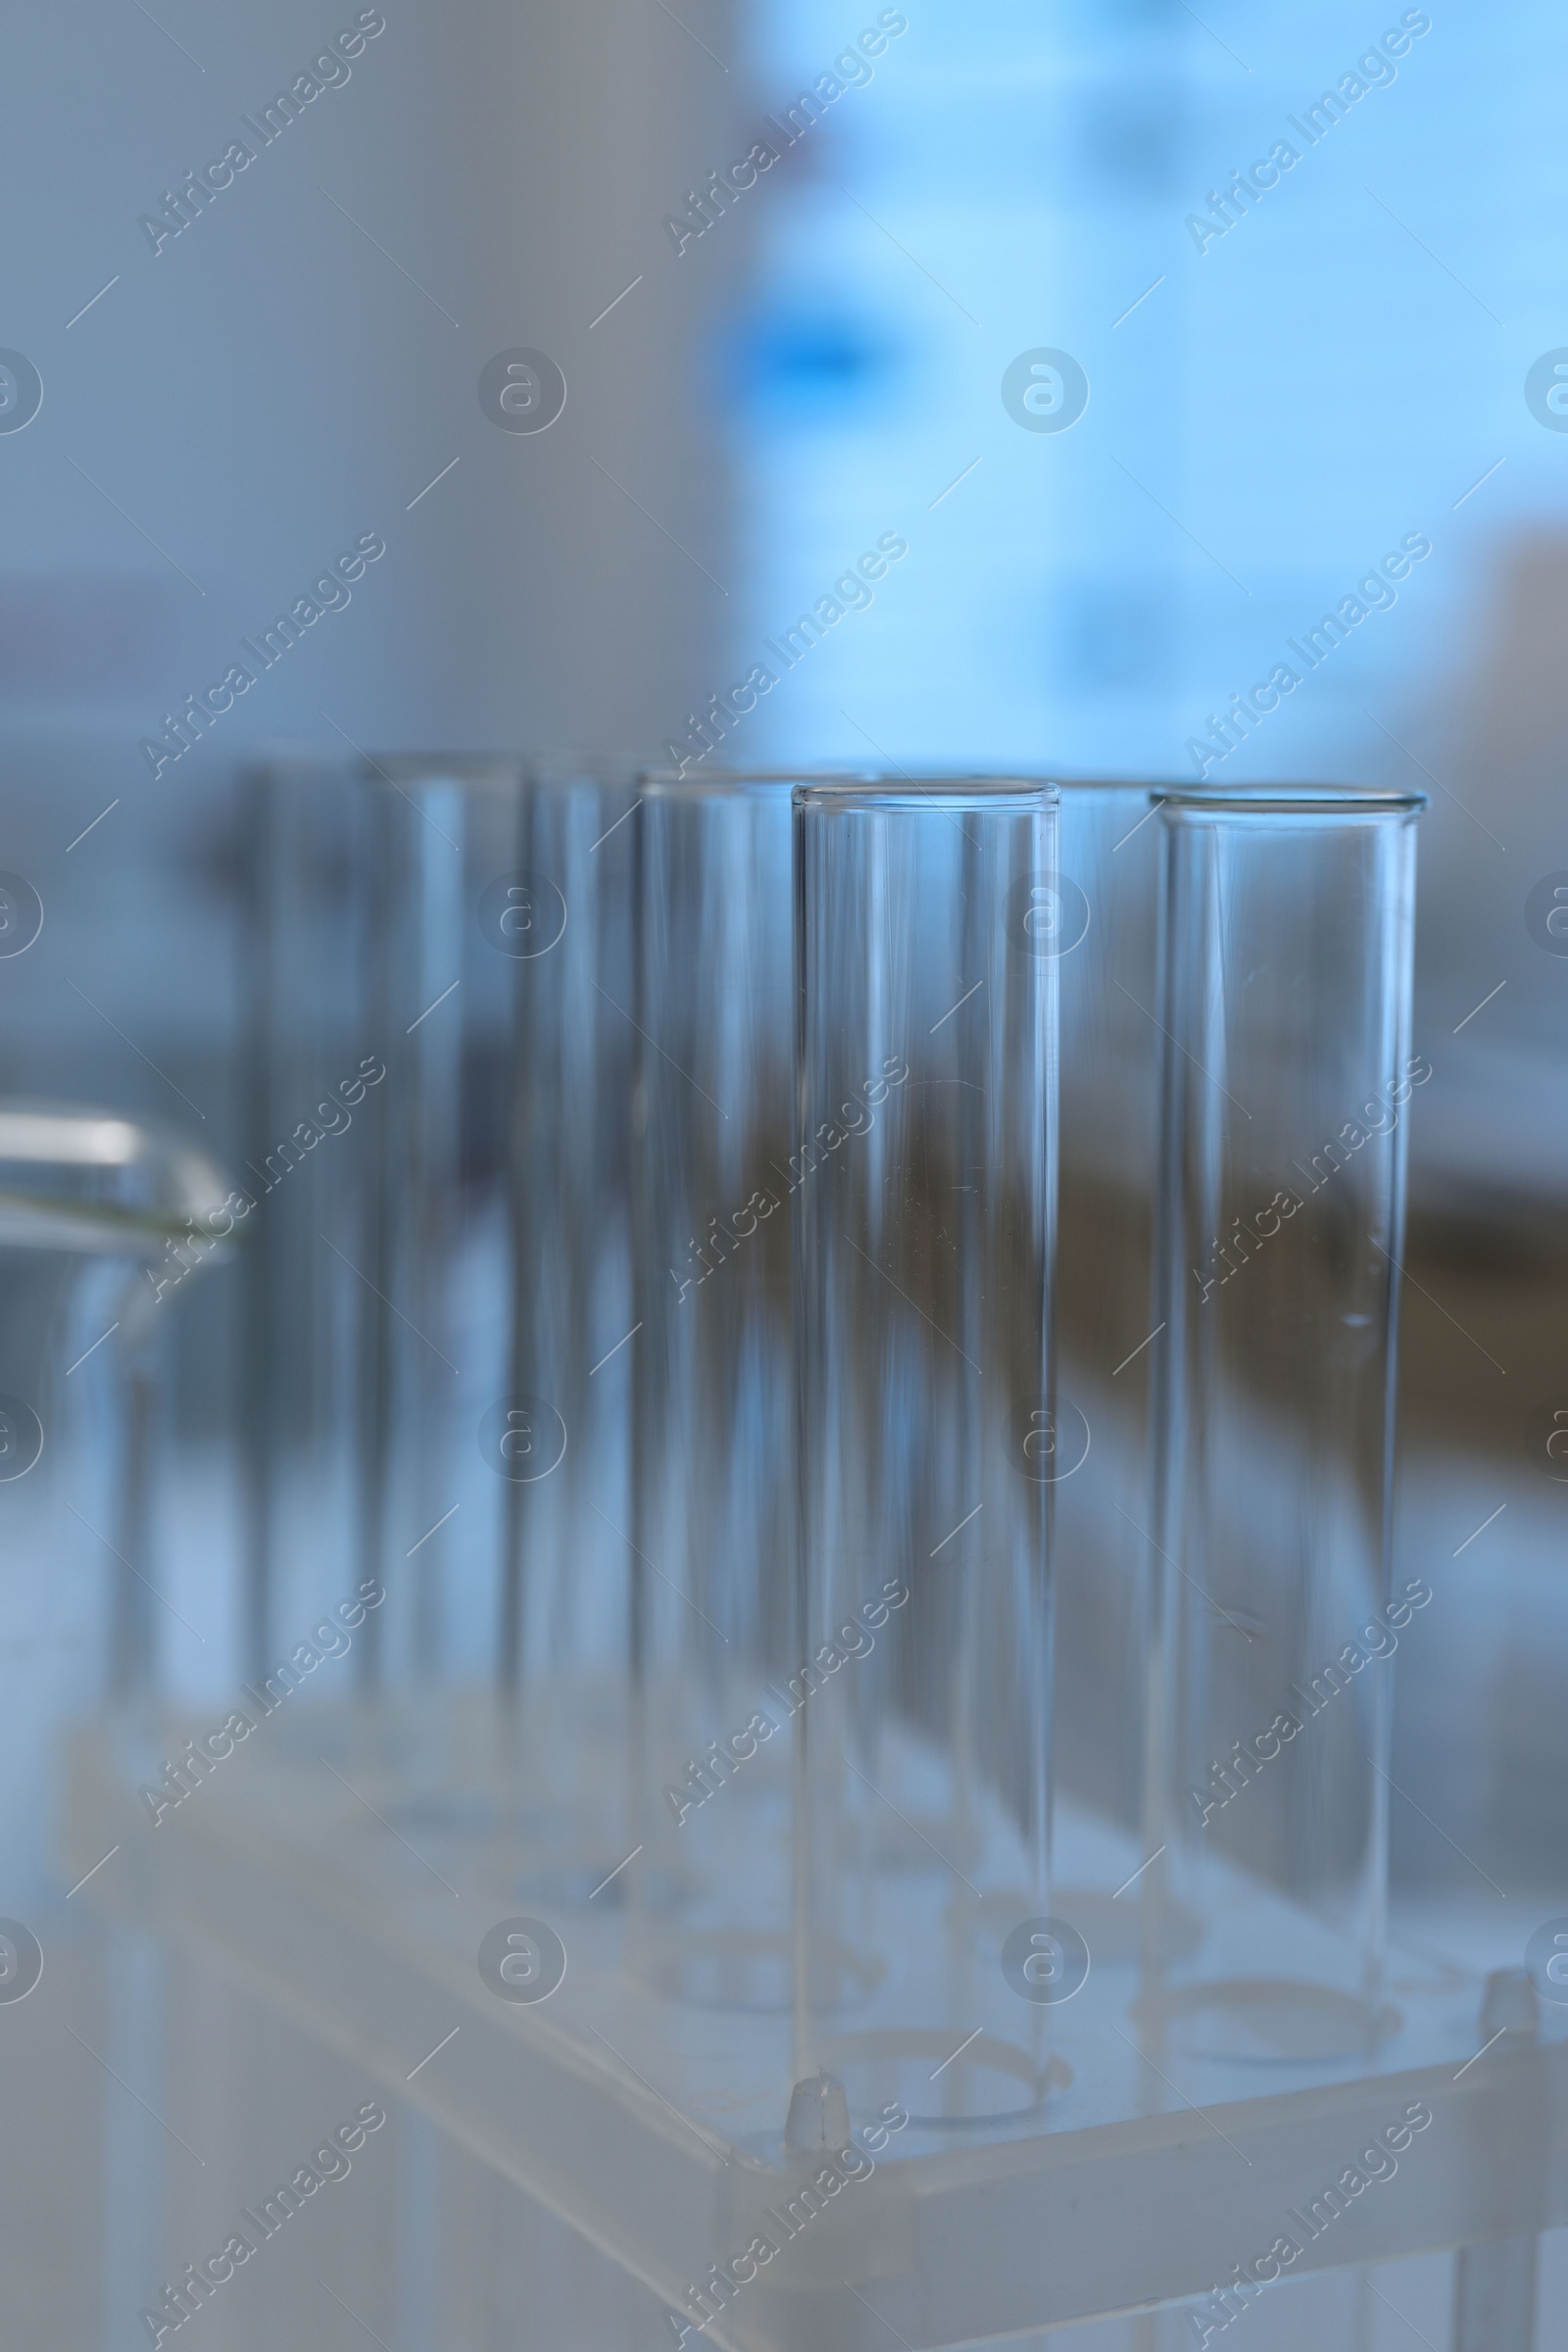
303,1039
1286,1065
441,839
103,1222
556,1437
713,1416
925,969
106,1224
379,1290
443,1030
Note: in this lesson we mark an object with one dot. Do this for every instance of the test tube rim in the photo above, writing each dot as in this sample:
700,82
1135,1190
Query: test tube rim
1149,787
1068,787
938,794
1358,801
715,783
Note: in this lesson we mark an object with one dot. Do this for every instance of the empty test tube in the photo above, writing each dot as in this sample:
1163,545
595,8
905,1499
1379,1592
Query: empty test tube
1288,1070
1106,937
555,1436
714,1411
925,966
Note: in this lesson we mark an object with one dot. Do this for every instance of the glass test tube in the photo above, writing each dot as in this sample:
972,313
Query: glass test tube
433,1240
412,1134
923,1211
103,1223
303,1038
558,1436
713,1554
1106,937
1285,1001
